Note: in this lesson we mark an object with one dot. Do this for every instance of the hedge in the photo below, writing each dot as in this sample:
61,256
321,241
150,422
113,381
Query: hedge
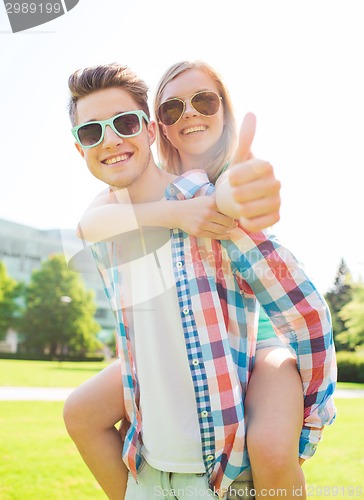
350,366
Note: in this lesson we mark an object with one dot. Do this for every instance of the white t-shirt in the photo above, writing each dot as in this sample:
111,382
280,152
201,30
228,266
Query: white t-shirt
170,429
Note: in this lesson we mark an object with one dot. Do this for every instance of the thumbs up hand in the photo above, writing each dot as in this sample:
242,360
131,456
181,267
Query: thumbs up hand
248,189
246,138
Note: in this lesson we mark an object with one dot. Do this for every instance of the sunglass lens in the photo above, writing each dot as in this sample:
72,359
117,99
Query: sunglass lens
206,103
89,134
170,111
128,124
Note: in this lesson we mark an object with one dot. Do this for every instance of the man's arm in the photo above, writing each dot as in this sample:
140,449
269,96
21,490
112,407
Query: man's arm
299,314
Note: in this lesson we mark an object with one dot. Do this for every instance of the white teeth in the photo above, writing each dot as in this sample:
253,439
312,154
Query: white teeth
192,130
110,161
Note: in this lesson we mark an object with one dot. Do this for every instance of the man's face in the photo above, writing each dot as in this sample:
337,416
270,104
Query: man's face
116,161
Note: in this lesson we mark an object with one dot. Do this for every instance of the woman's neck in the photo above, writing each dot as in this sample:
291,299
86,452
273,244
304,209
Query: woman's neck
191,162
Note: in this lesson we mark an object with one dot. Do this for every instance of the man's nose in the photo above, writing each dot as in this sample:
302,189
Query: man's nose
111,138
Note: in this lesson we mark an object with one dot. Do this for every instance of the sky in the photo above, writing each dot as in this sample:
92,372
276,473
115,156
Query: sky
296,64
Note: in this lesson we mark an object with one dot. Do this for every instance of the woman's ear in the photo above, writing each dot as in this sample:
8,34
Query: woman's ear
163,127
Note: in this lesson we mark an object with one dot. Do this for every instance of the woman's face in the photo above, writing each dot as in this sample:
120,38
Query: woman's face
194,134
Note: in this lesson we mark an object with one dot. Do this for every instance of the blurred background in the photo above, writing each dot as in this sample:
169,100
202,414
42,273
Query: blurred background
296,65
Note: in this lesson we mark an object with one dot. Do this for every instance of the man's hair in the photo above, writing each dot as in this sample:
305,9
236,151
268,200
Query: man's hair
225,147
88,80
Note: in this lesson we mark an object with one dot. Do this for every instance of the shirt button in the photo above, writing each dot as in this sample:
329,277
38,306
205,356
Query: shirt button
195,362
172,190
186,310
210,457
179,264
204,413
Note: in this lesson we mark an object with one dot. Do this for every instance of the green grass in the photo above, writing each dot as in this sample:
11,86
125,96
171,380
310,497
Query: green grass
339,460
37,458
350,385
39,461
47,373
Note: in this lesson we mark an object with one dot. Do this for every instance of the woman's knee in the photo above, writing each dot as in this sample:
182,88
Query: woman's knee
270,456
74,414
96,405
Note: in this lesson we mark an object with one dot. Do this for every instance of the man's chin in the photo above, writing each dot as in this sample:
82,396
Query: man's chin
117,182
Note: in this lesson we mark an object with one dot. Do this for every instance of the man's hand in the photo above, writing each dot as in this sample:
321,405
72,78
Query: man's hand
248,190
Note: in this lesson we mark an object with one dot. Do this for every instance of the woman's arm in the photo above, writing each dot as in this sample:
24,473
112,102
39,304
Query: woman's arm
110,215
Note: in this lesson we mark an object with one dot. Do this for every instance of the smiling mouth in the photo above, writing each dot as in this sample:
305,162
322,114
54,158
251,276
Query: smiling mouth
117,159
194,130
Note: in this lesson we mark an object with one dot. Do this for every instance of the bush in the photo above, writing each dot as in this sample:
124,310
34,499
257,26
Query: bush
350,366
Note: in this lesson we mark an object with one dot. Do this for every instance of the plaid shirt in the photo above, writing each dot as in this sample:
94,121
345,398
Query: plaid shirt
219,287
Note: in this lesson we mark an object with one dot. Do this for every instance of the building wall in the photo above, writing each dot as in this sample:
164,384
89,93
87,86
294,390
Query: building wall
23,248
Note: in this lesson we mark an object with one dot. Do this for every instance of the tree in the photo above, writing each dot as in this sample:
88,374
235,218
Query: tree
353,316
340,294
9,307
59,315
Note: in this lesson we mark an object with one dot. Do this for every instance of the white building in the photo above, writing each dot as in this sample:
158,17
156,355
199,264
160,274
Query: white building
23,248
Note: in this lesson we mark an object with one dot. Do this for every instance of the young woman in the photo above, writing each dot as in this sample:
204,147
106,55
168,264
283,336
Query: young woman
197,130
188,138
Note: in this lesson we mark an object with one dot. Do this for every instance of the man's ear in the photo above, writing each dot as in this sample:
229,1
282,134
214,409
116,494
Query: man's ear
152,132
80,149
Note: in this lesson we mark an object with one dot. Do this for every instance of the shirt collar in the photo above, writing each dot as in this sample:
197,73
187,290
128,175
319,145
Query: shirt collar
186,185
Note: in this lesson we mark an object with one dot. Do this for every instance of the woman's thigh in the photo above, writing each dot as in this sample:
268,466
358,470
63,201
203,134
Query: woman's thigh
274,400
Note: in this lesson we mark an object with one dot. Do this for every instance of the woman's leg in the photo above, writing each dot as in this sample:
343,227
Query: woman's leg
274,406
90,414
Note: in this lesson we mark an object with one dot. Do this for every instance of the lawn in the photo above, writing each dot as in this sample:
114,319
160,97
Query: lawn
39,461
47,373
339,460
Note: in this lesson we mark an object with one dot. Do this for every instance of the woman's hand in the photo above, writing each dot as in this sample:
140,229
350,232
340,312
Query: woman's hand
200,217
248,190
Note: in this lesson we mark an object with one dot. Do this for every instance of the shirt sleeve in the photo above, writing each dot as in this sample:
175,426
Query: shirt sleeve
300,316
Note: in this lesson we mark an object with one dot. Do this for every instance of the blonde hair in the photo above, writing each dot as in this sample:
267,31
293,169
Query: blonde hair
85,81
225,147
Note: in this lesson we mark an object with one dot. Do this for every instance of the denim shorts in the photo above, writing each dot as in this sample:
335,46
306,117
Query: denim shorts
154,484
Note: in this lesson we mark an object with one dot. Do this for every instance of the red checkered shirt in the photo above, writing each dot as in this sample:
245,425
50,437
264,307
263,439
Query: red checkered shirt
220,286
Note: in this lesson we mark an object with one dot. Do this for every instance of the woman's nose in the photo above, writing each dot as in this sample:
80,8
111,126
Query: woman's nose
189,109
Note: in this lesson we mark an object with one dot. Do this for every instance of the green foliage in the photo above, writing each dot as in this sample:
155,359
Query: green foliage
353,316
59,316
340,294
10,290
350,366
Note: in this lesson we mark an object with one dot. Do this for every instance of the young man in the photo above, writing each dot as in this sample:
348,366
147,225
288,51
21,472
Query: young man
186,312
